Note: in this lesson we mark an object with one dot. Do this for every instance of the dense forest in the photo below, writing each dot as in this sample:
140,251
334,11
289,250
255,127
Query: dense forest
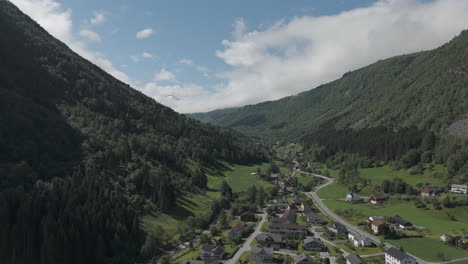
82,153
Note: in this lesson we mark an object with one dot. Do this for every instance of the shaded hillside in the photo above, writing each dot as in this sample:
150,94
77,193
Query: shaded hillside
426,89
83,154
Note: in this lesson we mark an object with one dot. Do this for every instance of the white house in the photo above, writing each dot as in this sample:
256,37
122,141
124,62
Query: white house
359,241
353,197
396,256
459,188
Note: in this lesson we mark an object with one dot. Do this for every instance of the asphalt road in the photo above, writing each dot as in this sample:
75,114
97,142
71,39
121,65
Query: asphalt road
318,201
246,247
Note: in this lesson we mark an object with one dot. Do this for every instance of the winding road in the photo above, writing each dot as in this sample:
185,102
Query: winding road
324,209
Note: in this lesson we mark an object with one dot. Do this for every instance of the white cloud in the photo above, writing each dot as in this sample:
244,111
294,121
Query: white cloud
90,35
164,75
144,33
239,28
185,61
98,18
143,55
203,70
58,22
300,54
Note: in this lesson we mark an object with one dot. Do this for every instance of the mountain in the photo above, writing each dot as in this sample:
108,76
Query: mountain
82,155
427,90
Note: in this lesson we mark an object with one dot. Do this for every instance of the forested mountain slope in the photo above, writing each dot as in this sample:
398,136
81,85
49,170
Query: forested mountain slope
81,153
428,90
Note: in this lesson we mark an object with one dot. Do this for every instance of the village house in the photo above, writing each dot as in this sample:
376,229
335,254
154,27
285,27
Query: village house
458,188
287,228
396,256
354,259
313,218
378,198
338,229
193,261
212,252
353,197
375,218
431,191
293,207
270,240
304,259
313,244
236,231
379,227
259,254
248,216
400,223
454,241
359,240
288,217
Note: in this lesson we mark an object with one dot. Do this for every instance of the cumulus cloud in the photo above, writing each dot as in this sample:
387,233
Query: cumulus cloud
164,75
58,22
203,70
90,35
144,33
98,18
299,54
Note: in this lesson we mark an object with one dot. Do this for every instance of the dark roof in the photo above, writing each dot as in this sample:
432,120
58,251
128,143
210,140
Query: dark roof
396,253
257,250
379,196
432,189
263,236
310,239
249,213
337,225
355,259
288,226
304,257
399,221
213,248
193,261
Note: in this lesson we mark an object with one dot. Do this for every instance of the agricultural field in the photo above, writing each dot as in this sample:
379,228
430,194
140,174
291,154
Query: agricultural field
240,179
378,175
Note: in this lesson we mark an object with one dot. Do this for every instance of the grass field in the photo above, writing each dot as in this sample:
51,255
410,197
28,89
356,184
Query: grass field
333,191
239,178
378,175
437,223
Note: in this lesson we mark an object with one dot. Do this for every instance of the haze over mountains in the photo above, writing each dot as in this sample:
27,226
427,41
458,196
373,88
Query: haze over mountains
428,90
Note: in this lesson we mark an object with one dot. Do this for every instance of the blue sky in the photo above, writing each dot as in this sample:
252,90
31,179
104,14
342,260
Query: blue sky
203,55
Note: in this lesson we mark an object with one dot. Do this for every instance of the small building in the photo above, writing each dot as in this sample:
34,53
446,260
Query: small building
379,227
354,259
304,259
270,240
287,228
313,244
193,261
313,218
400,223
396,256
293,207
353,197
236,231
431,191
288,217
378,198
212,252
338,229
459,188
247,216
260,254
375,218
359,240
451,240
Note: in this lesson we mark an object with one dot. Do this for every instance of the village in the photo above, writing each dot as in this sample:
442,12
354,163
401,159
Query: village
292,228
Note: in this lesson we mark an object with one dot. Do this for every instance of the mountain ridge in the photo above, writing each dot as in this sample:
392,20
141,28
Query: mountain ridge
391,91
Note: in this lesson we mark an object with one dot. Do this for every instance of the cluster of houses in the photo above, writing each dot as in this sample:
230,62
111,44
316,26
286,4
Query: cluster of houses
392,256
374,198
453,240
380,224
